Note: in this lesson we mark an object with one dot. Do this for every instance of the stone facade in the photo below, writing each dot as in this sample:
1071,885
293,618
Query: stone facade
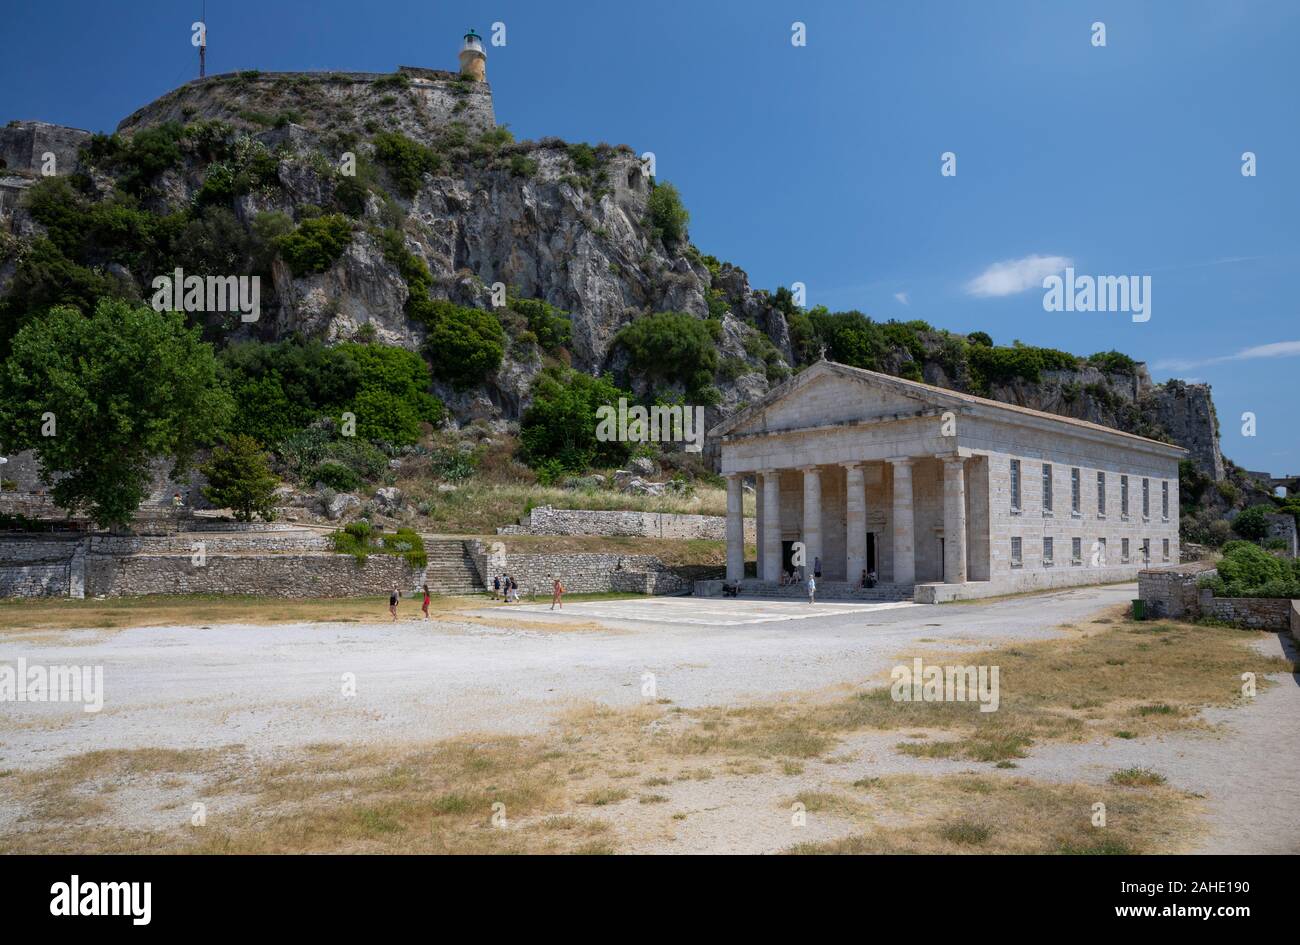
959,495
546,520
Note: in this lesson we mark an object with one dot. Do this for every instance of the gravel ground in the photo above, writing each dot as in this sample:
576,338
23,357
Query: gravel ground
271,687
277,687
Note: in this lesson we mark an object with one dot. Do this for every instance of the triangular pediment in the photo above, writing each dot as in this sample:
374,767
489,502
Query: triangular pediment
827,394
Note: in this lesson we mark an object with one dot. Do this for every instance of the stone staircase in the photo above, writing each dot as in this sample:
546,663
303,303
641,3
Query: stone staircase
826,590
450,571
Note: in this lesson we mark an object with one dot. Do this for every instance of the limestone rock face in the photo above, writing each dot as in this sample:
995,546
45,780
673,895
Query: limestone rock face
530,216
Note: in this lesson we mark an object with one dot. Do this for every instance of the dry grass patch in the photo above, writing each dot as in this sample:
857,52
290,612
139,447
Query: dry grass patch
974,814
29,614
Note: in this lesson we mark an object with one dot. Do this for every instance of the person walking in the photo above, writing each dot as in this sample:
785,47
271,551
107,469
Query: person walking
812,589
425,606
496,585
557,594
392,604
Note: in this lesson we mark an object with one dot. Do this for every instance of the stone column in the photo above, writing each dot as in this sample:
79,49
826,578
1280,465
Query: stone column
772,525
855,516
904,552
758,524
954,521
735,528
812,517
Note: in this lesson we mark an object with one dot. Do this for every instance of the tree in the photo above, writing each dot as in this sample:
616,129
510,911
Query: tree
464,345
673,347
393,396
97,398
240,479
667,214
1250,523
559,427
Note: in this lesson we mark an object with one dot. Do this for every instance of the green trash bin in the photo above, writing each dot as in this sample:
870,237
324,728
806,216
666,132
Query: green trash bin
1139,609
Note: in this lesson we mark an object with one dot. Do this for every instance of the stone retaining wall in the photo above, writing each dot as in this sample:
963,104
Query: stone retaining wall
1295,620
585,572
277,575
546,520
1251,613
34,580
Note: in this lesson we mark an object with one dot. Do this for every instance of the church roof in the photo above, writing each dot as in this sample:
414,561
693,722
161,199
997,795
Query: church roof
940,395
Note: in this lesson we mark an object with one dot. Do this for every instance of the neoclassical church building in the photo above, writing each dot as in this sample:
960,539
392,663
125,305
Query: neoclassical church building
941,495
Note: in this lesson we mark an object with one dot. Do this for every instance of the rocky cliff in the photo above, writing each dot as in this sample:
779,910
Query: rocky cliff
567,224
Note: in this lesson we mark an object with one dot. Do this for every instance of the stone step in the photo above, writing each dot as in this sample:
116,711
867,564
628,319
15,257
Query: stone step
450,570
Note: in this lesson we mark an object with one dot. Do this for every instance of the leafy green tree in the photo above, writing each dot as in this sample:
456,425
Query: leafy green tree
667,214
1250,523
980,338
287,385
98,397
464,345
240,479
1245,565
673,347
392,398
559,426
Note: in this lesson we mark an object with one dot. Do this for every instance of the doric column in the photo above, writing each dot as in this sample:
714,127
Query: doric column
812,516
758,524
772,525
735,528
855,517
904,540
954,521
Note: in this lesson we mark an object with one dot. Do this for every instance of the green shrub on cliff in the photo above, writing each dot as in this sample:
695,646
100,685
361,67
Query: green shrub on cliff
464,345
316,244
667,214
408,161
672,347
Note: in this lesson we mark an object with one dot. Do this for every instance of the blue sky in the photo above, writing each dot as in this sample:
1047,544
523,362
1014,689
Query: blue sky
821,163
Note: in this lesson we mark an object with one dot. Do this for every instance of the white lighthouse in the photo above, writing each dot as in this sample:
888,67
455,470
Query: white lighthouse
473,60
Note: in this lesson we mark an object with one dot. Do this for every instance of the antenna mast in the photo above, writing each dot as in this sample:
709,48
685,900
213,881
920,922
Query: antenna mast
203,46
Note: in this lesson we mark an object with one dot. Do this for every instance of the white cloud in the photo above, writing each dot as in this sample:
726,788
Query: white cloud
1012,276
1276,349
902,299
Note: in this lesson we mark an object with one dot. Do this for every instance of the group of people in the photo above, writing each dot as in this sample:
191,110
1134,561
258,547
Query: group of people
394,597
507,584
500,583
505,588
